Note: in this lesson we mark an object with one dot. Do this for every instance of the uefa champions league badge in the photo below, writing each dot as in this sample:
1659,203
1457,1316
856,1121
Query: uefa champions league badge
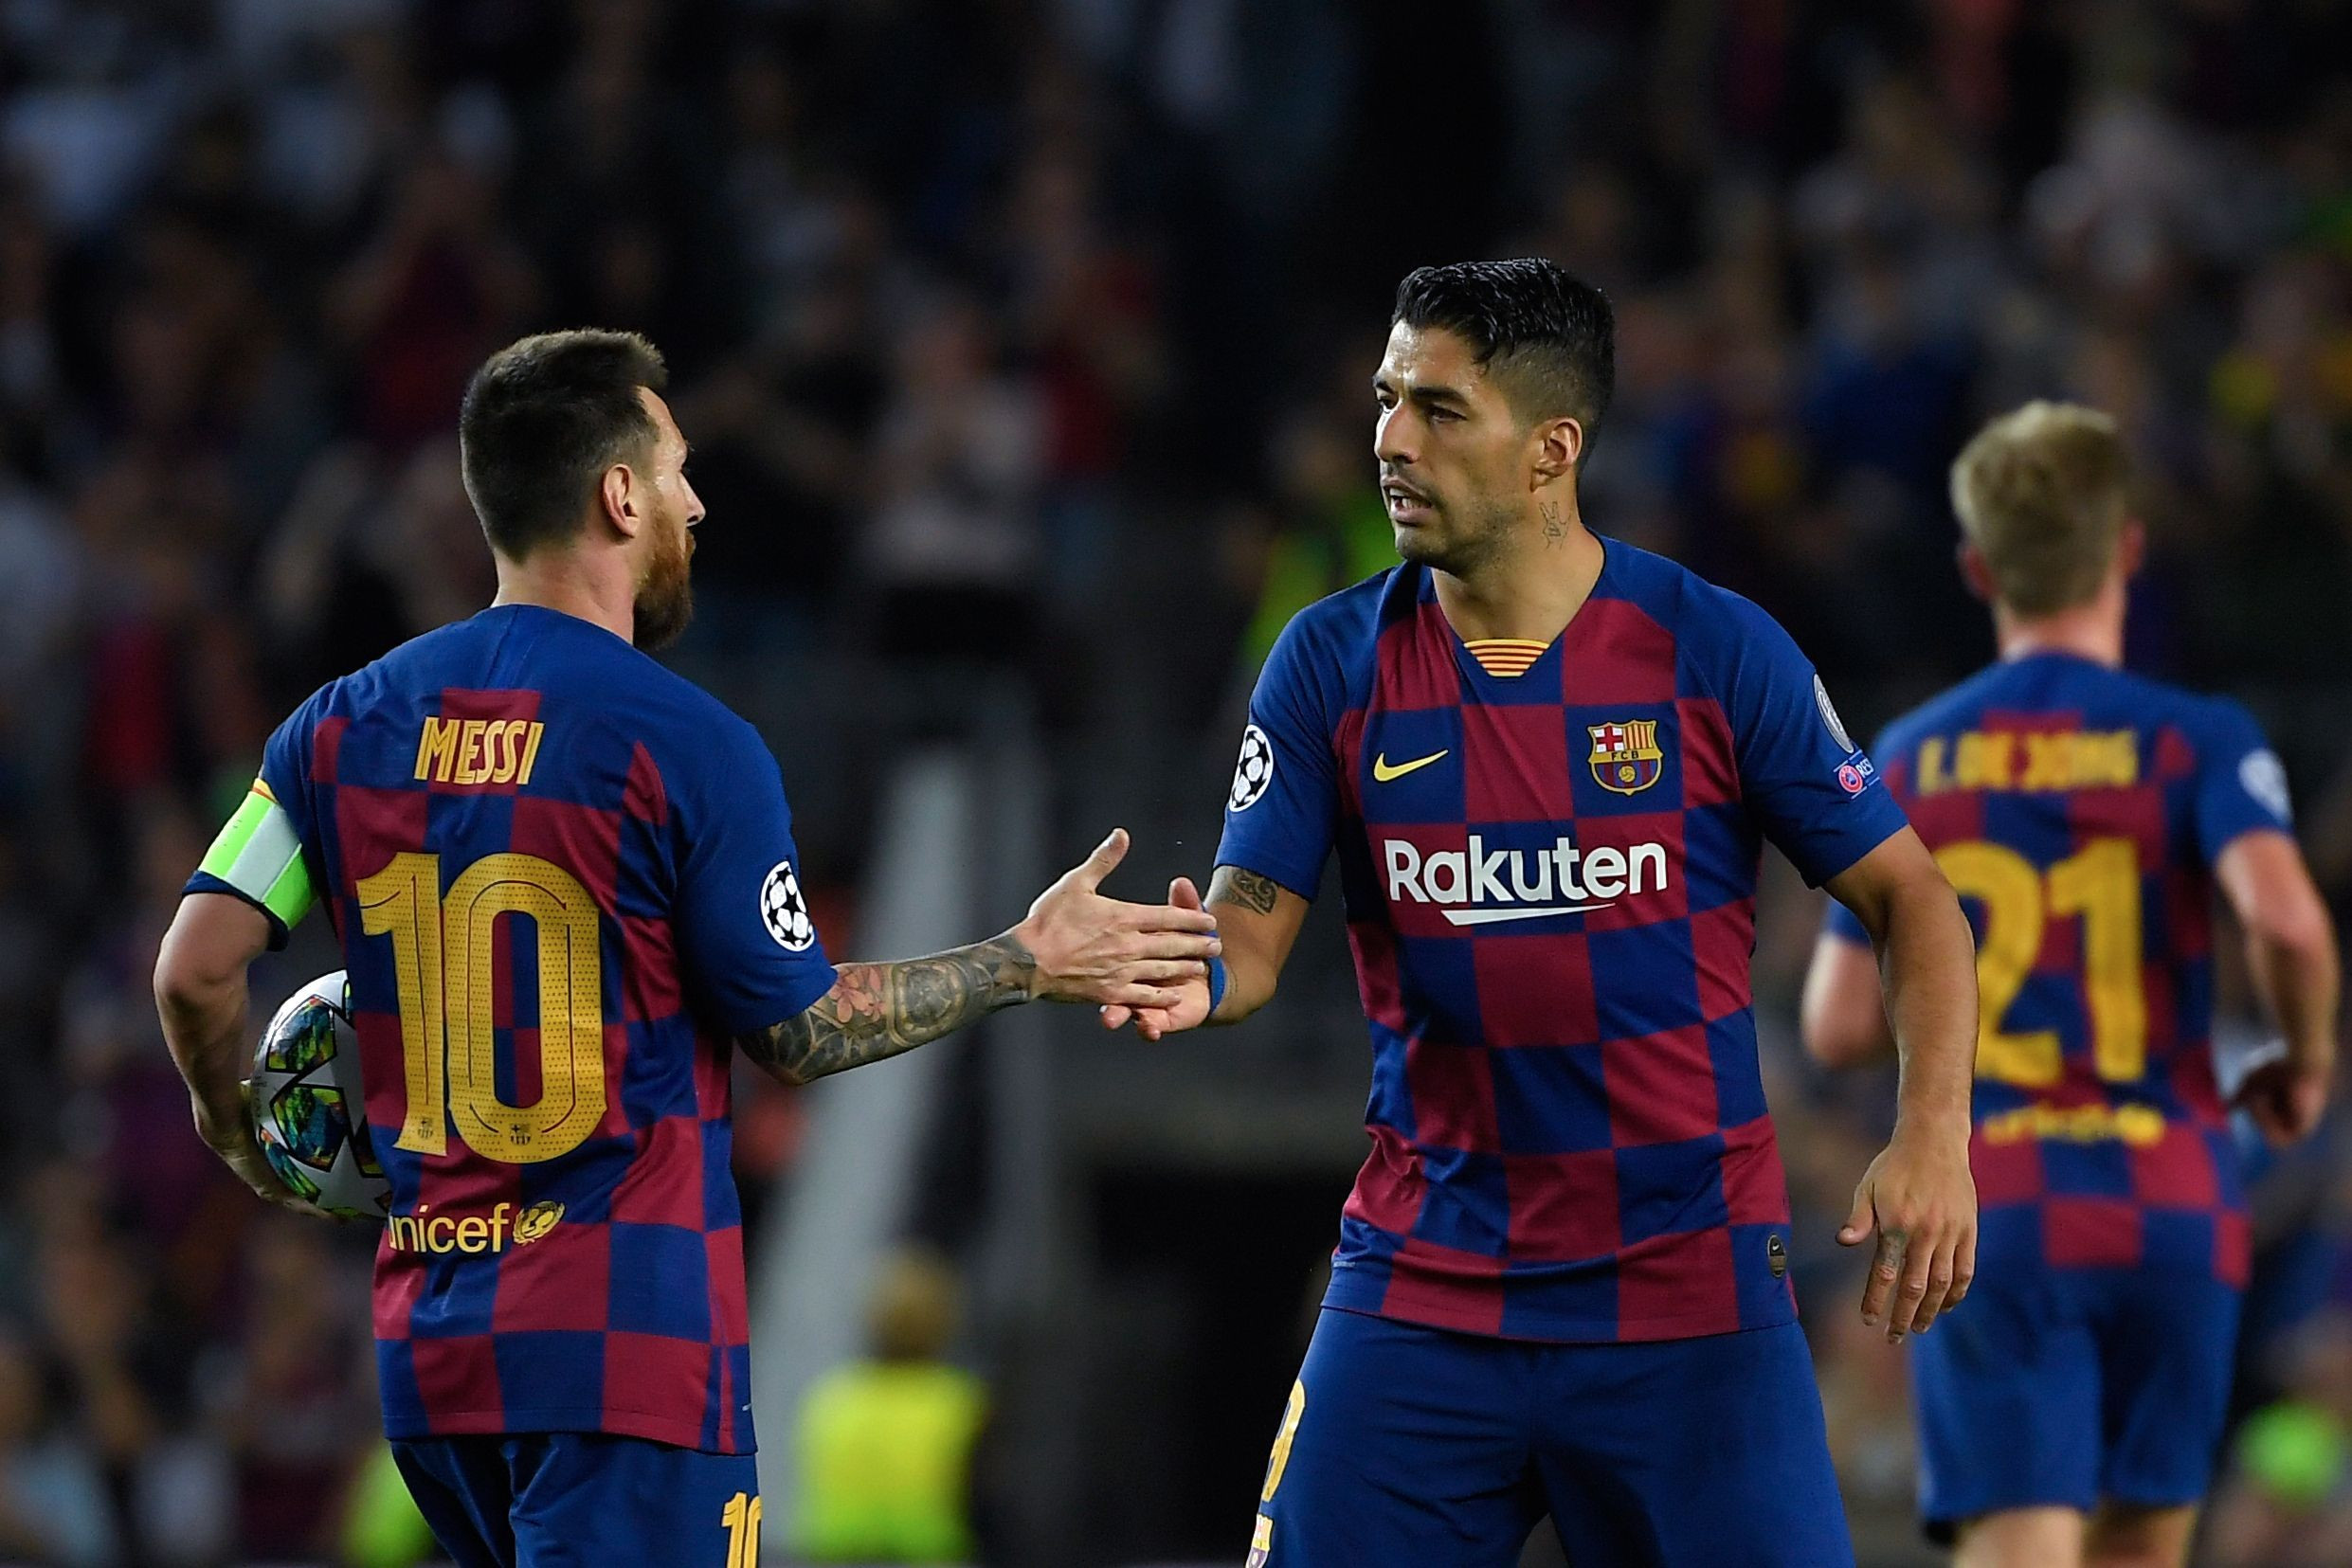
1253,772
784,910
1829,716
2264,779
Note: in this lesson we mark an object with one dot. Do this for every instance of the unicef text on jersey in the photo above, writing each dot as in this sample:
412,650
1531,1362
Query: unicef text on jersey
1480,887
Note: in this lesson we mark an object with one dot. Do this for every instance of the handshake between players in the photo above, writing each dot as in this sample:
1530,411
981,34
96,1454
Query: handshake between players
1086,947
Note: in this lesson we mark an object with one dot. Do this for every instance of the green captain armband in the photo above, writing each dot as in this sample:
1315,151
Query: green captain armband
259,858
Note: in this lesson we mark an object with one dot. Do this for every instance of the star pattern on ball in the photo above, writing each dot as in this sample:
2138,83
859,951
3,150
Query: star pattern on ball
1254,772
784,910
305,1098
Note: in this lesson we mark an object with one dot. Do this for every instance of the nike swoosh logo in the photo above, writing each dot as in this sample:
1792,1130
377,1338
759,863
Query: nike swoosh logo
1384,773
1514,911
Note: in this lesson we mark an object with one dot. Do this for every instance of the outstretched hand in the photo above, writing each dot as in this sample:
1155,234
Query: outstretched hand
1191,1006
1922,1199
1090,947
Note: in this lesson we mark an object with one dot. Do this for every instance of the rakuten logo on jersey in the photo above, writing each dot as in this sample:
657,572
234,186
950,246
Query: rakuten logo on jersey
1480,887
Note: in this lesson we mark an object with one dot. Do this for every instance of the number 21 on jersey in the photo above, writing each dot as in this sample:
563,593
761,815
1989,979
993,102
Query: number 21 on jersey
442,950
2101,883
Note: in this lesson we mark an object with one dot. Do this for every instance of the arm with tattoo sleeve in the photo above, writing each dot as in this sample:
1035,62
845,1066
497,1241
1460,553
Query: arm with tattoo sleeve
1075,946
875,1011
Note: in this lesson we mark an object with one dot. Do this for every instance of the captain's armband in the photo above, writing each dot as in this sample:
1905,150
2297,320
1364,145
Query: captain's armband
259,858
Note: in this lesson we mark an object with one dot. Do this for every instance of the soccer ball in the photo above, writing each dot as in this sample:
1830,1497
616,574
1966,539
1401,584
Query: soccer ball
309,1110
1254,772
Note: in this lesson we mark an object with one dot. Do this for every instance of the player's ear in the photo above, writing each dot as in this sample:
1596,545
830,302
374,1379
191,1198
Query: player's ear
1558,446
1974,571
616,495
2131,547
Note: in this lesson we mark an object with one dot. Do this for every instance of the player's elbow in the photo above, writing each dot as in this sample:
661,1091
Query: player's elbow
185,998
1841,1018
194,969
1838,1040
2294,926
1250,980
2270,889
179,982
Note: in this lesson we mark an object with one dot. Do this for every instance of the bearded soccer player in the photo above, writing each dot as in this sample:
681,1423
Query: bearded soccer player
2086,816
564,1369
1548,763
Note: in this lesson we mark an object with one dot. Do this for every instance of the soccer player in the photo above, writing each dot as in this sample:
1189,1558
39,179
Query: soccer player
563,881
1548,763
2085,815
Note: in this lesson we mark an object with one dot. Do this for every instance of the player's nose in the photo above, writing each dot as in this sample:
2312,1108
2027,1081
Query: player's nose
1391,441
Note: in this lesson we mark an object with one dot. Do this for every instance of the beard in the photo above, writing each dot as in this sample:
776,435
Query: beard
1458,549
666,601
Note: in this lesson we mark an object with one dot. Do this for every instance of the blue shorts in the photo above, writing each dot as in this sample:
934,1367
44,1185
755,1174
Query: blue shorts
2064,1387
583,1500
1411,1445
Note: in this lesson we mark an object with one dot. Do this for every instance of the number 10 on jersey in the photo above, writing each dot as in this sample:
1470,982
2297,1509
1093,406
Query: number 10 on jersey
443,949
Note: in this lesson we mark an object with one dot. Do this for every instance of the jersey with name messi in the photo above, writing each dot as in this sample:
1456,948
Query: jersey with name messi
2078,811
1549,858
563,882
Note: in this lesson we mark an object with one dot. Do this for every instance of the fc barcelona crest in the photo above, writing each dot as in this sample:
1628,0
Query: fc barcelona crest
1625,755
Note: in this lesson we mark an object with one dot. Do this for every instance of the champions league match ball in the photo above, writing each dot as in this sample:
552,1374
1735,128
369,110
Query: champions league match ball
309,1109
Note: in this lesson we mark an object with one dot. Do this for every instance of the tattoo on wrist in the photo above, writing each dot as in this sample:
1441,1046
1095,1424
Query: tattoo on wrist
877,1011
1232,885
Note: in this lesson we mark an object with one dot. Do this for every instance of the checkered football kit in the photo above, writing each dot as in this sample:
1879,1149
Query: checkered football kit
563,879
1548,864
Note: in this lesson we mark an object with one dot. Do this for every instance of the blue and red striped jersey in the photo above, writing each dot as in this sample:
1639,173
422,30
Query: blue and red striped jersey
2078,811
563,881
1549,871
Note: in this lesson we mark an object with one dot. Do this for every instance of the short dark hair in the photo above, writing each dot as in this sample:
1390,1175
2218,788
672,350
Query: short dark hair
541,420
1548,338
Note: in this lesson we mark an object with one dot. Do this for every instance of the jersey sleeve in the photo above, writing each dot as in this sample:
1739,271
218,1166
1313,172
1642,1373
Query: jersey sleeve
1814,792
261,854
1281,811
744,935
2241,785
1839,922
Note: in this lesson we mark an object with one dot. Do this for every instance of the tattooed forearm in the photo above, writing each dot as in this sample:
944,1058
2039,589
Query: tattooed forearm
1232,885
880,1010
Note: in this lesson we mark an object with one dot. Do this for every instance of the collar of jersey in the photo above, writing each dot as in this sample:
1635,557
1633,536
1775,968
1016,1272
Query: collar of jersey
546,612
1468,660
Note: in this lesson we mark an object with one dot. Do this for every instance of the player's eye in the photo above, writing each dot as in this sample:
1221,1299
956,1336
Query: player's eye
1444,415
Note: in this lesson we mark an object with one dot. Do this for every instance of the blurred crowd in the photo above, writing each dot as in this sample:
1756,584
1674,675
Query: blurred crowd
1001,328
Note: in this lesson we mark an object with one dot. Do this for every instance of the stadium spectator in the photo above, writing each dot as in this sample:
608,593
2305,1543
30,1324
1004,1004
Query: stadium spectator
886,1443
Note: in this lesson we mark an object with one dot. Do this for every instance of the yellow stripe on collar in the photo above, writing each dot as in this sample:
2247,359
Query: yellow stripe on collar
1505,655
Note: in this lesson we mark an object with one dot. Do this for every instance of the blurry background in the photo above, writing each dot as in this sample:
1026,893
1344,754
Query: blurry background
1025,347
